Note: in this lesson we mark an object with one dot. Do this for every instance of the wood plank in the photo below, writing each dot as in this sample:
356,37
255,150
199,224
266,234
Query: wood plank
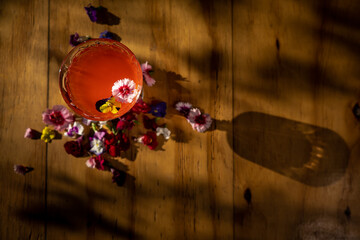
23,84
294,88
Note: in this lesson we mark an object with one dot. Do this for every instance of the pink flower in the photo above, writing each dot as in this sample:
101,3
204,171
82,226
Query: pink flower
59,117
199,122
22,170
124,90
32,134
91,163
146,69
183,108
96,162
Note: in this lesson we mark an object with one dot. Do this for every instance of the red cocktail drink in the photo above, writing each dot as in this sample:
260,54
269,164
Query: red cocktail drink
89,72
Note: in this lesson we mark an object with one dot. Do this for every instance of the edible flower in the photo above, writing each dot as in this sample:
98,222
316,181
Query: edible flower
118,177
183,108
92,13
22,170
97,162
159,109
199,122
97,146
74,148
59,117
124,90
163,131
75,39
110,106
140,107
32,134
47,134
149,139
74,130
146,69
149,123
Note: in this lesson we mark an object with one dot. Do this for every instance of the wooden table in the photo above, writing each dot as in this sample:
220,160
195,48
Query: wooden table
281,161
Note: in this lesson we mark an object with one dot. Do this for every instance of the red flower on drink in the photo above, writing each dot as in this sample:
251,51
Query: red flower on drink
59,117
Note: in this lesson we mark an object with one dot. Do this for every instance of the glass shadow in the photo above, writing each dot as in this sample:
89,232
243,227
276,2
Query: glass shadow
306,153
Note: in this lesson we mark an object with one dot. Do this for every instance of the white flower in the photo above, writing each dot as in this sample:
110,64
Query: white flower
124,90
199,122
102,123
164,131
97,146
74,129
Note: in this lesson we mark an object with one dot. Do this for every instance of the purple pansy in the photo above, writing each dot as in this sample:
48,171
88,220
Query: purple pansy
159,109
92,13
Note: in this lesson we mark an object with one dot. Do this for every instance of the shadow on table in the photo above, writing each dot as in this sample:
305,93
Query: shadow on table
70,210
309,154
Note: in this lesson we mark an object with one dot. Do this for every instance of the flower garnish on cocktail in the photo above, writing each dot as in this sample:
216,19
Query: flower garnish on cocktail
124,90
111,105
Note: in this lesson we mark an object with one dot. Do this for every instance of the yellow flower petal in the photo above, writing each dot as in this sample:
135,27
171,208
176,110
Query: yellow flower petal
110,106
105,108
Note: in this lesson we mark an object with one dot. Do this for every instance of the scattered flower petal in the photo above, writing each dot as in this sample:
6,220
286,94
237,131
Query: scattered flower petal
149,139
130,118
90,163
118,177
99,134
106,34
199,122
75,39
116,143
32,134
59,117
183,108
22,170
74,148
74,130
146,69
149,123
48,134
122,125
163,131
97,162
92,13
97,146
124,90
140,107
158,110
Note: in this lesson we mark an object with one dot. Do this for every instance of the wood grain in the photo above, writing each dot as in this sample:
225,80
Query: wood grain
23,81
279,79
